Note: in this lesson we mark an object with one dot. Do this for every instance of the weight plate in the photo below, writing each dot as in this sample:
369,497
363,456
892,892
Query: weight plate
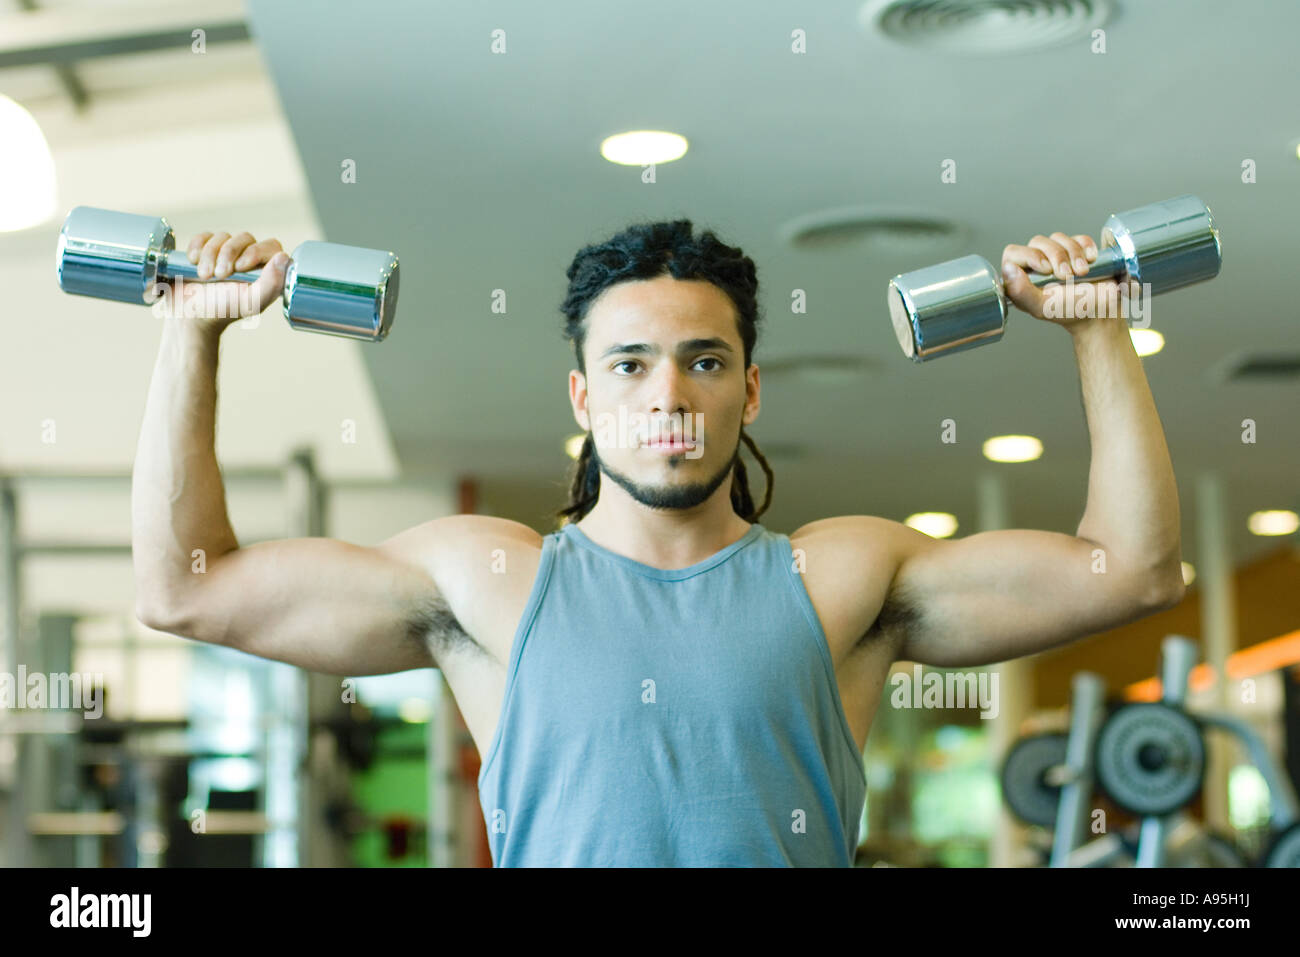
1222,851
1030,797
1284,851
1150,758
1210,849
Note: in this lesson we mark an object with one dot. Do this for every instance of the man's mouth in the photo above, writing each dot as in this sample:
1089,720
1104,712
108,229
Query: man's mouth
670,445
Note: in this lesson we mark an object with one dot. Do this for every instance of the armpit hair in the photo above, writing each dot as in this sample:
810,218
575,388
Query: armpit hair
435,626
897,616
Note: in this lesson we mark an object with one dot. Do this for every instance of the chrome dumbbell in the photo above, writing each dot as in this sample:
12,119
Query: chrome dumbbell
960,304
338,290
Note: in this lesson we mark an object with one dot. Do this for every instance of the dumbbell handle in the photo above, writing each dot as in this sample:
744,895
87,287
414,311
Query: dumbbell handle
175,264
326,295
1108,264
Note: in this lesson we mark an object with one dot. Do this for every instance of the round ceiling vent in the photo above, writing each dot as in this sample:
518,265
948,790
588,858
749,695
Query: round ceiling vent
830,370
984,26
851,226
781,450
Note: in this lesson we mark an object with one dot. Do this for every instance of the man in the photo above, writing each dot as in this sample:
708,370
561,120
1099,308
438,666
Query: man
663,681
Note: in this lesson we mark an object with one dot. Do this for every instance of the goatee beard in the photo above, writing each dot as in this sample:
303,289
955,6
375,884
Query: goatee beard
668,496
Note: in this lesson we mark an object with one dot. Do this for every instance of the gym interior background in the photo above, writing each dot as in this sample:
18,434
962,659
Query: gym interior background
839,144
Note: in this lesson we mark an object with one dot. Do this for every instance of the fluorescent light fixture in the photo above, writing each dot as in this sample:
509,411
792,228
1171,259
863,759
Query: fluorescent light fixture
643,147
27,186
1013,448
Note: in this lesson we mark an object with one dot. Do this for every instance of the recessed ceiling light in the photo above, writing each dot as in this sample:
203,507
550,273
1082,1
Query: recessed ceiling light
28,193
934,524
1273,522
415,710
1012,448
643,147
1147,342
573,445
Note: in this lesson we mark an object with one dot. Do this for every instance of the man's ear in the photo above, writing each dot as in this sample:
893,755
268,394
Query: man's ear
578,399
752,401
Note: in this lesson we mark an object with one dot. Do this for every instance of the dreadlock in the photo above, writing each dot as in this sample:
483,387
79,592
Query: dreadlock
645,251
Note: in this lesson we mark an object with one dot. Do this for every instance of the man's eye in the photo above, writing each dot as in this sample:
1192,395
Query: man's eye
633,362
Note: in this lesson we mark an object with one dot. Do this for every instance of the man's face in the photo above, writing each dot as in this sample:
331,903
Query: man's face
665,361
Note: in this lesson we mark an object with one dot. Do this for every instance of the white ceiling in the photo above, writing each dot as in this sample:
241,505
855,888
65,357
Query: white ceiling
201,140
481,171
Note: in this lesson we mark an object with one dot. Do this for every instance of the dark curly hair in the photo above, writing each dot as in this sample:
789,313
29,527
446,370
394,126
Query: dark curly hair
646,251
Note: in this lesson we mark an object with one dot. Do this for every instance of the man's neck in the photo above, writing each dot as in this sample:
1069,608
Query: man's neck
662,538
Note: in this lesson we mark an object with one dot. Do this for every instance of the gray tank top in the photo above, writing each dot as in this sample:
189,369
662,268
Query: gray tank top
671,718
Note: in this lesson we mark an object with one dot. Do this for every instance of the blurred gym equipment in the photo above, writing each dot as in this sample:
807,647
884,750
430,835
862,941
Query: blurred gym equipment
1148,758
80,791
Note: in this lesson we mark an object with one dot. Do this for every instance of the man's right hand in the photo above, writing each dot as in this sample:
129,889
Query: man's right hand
215,305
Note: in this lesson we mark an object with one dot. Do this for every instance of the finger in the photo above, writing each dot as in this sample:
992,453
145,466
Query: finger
231,250
257,254
1020,290
208,258
196,246
1055,252
1027,257
1089,247
269,285
1075,251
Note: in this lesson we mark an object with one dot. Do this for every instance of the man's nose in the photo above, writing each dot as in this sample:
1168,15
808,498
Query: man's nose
668,390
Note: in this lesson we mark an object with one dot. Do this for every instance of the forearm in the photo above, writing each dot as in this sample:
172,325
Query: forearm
178,502
1132,509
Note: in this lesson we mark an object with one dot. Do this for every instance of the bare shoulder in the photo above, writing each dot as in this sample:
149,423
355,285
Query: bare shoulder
865,537
449,540
467,555
481,570
850,562
847,546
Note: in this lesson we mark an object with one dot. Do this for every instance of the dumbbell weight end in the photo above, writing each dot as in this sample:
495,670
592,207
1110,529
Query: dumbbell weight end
961,304
329,288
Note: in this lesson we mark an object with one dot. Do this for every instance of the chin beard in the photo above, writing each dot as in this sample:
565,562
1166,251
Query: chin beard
668,496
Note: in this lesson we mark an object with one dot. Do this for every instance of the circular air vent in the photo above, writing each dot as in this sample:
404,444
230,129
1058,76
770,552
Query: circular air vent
847,226
786,451
831,370
984,26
